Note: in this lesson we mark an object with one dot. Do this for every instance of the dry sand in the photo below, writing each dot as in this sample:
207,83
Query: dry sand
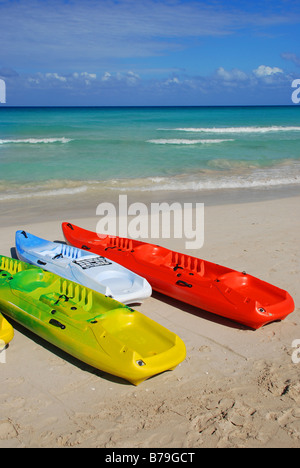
236,388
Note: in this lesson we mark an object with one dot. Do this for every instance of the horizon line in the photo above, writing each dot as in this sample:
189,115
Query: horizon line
140,106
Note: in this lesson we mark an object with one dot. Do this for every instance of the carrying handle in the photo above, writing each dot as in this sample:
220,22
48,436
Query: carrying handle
40,262
63,296
177,267
184,284
57,324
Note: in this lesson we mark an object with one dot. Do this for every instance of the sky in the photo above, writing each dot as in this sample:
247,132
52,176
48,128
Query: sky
149,52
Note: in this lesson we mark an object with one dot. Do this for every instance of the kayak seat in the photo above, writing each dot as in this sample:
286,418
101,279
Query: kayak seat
115,279
122,323
151,253
31,280
251,287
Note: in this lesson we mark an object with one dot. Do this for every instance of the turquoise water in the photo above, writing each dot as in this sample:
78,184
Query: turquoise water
68,150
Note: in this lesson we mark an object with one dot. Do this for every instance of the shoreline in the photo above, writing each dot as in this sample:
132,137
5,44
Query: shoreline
83,205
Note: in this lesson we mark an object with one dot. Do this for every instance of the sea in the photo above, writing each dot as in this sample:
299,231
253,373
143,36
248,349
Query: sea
63,151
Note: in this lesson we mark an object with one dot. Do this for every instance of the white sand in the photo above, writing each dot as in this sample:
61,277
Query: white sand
236,388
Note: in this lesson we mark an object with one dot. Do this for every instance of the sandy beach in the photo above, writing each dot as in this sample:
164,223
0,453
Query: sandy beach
236,388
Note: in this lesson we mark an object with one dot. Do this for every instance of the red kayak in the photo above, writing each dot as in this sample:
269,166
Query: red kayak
211,287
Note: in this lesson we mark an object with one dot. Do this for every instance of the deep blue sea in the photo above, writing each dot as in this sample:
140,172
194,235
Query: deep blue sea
53,151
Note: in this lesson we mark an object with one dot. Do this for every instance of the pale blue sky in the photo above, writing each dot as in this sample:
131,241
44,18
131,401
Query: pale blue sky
149,52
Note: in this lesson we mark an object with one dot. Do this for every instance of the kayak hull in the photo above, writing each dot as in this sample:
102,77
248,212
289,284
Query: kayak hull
211,287
95,329
90,270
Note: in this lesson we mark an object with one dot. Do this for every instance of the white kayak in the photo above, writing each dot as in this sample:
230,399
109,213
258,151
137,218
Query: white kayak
90,270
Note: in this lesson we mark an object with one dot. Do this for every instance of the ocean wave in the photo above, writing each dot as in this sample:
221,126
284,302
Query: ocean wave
240,177
224,175
224,184
153,184
160,184
35,141
226,130
177,141
230,183
43,193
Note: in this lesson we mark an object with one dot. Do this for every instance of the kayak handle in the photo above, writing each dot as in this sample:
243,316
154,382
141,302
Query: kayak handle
58,256
62,296
183,283
177,267
41,263
70,226
56,323
84,247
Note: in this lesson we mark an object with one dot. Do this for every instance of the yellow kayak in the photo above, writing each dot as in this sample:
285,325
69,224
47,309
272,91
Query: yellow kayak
6,332
95,329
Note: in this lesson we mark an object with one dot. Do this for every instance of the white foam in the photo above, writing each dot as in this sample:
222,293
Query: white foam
46,193
177,141
226,130
219,184
35,141
256,178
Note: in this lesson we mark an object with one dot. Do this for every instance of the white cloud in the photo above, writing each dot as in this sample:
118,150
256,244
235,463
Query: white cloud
53,79
106,76
264,71
132,77
35,81
176,88
90,76
55,76
232,75
172,81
